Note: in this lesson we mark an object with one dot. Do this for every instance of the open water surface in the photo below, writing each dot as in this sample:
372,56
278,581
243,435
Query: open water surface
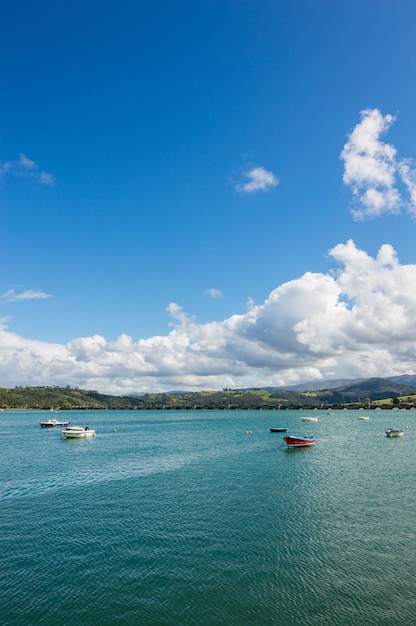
183,518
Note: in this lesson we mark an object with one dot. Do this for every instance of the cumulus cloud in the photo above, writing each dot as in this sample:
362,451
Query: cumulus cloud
258,179
214,293
12,296
357,320
374,171
23,167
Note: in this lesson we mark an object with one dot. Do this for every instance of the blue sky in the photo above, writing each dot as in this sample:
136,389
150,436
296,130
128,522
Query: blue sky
198,195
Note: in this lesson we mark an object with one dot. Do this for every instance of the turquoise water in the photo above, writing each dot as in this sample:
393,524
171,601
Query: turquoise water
184,518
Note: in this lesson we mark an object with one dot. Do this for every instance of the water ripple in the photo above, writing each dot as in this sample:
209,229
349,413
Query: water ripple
174,523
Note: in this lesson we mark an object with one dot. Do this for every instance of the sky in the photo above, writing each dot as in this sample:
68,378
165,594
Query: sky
206,194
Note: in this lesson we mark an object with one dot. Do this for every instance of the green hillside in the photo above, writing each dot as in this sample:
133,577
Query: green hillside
50,397
366,393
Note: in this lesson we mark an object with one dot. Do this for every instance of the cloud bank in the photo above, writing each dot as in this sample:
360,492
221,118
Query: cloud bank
358,320
374,171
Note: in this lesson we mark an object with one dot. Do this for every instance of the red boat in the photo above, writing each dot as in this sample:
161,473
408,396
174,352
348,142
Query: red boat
296,441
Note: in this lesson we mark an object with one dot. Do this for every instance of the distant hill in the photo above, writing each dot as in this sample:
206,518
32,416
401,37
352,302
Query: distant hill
371,388
354,391
405,379
321,384
313,393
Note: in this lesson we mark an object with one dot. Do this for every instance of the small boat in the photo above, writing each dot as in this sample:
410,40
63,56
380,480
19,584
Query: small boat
297,441
363,417
394,432
278,430
53,423
310,419
77,432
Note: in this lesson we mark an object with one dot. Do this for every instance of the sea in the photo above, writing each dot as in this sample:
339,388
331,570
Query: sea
205,518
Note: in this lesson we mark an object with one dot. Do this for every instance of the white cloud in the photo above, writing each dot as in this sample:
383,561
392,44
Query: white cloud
373,170
357,321
259,179
45,178
23,167
12,296
214,293
408,176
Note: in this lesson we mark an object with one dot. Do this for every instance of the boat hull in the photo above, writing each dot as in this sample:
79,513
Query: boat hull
310,419
295,441
278,430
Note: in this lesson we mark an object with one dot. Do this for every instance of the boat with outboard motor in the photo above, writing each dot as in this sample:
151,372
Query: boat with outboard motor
78,432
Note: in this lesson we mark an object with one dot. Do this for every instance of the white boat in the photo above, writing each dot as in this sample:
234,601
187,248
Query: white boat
394,432
53,423
363,417
309,419
78,432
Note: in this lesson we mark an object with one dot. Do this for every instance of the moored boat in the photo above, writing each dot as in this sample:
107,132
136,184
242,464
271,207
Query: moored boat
53,423
394,432
78,432
278,430
363,417
310,419
298,441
